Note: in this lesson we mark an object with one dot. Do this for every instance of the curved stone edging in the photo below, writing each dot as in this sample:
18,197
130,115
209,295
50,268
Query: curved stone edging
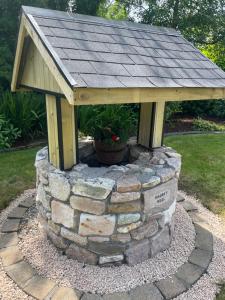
40,288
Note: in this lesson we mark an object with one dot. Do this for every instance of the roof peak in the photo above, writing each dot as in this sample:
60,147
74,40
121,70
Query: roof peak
74,17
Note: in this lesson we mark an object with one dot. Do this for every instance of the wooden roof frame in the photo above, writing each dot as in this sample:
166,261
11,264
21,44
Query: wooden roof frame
90,96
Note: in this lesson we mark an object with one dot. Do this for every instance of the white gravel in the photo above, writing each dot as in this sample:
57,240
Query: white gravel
8,289
43,256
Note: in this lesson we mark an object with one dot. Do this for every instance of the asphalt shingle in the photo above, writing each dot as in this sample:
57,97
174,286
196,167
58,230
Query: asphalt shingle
106,53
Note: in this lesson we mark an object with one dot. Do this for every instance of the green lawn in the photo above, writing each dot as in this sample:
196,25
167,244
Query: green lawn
203,167
17,173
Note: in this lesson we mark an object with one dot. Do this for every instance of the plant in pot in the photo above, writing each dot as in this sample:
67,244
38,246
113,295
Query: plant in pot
110,126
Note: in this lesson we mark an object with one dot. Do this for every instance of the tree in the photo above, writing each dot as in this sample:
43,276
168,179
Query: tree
9,23
113,10
201,21
87,7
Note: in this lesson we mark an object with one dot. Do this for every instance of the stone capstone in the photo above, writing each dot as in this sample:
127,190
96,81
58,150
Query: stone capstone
59,186
62,214
98,188
81,254
128,184
96,225
151,182
88,205
165,173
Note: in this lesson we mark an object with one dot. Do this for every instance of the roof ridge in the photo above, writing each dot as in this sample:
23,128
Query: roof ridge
114,24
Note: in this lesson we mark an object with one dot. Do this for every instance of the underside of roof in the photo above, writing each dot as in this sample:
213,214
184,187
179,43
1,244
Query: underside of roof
91,52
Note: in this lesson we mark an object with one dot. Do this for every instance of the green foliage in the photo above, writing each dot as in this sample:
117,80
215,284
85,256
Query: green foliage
104,121
86,7
215,52
172,108
26,111
200,21
205,125
9,22
8,134
113,10
211,108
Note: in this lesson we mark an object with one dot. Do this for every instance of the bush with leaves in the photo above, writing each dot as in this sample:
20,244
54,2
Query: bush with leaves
103,122
205,125
25,111
8,134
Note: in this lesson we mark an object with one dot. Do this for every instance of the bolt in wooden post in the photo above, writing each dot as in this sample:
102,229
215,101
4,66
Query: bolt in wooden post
62,133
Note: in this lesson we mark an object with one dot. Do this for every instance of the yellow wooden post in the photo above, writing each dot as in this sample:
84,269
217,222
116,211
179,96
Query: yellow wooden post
62,133
157,124
151,123
145,121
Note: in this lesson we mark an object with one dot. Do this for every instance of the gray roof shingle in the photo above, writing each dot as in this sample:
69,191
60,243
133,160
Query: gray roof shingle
104,53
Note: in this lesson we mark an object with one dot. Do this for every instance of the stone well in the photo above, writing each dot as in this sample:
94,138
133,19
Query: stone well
110,215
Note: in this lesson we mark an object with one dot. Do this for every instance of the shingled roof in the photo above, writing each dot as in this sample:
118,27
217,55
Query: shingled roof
97,53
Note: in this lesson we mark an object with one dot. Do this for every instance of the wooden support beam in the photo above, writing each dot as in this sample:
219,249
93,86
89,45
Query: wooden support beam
62,133
145,122
91,96
53,141
158,112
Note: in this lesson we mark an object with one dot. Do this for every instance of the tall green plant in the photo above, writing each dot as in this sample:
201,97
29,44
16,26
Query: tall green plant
106,122
26,111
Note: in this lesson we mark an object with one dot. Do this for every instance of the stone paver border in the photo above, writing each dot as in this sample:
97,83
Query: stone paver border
40,288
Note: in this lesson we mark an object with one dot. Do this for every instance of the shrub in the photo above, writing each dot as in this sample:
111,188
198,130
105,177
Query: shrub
104,121
172,108
25,111
204,125
8,134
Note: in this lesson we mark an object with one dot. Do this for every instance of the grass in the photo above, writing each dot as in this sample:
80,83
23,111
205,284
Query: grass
17,173
203,174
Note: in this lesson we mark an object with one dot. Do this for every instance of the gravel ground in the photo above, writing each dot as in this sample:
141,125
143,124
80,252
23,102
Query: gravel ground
43,256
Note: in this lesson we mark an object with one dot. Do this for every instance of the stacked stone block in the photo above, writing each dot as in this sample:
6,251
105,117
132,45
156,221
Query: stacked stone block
110,215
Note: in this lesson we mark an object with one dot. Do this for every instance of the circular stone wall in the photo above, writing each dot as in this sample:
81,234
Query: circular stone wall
110,215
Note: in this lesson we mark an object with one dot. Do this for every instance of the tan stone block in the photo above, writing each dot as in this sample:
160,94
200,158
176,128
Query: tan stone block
65,293
59,186
128,228
125,197
98,188
10,255
54,227
121,237
98,239
127,207
128,183
39,287
96,225
87,205
72,236
63,214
